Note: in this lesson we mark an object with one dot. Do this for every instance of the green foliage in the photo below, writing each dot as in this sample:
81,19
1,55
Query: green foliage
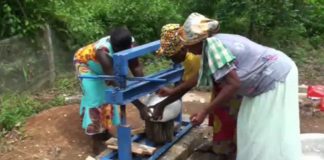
274,23
205,7
15,108
144,18
153,65
81,22
22,17
280,24
77,20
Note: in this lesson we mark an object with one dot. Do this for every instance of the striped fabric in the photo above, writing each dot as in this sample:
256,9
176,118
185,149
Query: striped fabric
215,55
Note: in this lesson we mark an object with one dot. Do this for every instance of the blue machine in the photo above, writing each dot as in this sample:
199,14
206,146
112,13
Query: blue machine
132,88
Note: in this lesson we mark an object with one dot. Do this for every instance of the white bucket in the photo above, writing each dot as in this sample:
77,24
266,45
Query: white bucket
170,112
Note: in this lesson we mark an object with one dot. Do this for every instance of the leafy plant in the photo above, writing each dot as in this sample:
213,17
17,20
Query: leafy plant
155,65
22,17
15,108
144,18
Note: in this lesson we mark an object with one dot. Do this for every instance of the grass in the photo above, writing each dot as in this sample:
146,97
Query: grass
66,84
17,107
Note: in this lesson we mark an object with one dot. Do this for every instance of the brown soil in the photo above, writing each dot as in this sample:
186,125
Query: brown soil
312,124
56,134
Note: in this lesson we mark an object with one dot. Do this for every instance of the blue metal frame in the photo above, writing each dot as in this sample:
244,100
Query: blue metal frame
137,90
186,126
108,77
130,90
124,137
121,59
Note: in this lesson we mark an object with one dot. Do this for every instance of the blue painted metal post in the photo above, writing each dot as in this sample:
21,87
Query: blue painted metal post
124,143
179,117
124,131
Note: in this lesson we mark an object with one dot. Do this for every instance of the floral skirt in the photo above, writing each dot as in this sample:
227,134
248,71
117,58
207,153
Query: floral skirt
101,119
223,121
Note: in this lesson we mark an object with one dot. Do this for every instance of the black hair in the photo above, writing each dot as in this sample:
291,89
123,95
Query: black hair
120,39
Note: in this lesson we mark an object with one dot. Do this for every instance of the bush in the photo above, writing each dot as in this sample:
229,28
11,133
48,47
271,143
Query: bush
22,17
153,65
144,18
82,22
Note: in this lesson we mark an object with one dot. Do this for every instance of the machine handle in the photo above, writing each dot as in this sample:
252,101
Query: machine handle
101,77
108,77
146,79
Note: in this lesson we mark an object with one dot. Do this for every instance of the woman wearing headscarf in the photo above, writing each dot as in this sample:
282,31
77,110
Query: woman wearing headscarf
268,119
223,118
96,59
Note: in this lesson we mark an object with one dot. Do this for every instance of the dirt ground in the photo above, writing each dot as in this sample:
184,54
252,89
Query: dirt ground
56,134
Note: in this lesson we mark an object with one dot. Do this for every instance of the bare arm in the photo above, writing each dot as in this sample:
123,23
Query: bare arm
136,67
105,61
180,90
232,84
142,109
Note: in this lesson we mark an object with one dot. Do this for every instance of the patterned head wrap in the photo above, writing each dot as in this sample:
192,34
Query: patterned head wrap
196,28
170,42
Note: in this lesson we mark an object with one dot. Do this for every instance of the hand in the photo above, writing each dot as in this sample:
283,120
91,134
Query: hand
198,118
111,83
144,112
157,112
165,91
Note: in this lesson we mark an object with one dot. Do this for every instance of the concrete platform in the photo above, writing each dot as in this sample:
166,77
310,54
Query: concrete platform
204,156
186,146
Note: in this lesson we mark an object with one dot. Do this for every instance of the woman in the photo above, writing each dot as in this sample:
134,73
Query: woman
96,59
268,120
223,119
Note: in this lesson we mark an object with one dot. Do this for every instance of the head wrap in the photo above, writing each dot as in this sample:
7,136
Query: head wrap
170,42
196,28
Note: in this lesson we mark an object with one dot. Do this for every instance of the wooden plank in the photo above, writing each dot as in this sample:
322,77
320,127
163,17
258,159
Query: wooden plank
138,131
137,148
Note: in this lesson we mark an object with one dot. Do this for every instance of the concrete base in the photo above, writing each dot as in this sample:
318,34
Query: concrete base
187,144
204,156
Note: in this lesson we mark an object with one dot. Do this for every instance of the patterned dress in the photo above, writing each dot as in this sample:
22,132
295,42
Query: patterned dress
223,119
96,114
